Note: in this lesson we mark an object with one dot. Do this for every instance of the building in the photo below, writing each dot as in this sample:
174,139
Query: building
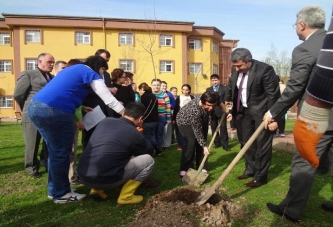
175,51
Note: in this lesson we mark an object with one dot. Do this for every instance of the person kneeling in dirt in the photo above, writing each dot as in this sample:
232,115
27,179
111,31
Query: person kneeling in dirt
106,161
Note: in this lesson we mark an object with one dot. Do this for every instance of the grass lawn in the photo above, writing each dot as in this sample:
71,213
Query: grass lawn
24,202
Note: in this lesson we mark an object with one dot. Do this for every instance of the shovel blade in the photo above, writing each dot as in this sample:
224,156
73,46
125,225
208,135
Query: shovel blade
205,195
195,178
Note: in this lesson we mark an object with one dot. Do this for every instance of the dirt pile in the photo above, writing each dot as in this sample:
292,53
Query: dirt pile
177,208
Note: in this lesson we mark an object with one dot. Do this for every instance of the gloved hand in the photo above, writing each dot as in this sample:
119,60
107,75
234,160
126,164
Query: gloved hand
310,125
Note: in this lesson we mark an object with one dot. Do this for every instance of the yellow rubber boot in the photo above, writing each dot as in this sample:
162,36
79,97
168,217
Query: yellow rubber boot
98,195
127,193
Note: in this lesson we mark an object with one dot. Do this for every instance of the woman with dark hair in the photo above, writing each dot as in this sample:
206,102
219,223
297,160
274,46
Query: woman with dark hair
150,118
191,121
181,101
52,109
125,94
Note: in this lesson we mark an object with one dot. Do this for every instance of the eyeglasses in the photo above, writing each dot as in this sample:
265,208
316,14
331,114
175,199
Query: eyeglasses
294,25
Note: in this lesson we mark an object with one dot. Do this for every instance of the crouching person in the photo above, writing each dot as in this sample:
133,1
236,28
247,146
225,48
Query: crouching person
107,160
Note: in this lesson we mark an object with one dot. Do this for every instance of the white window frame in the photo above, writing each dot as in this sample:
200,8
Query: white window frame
5,66
4,38
6,102
126,39
33,36
82,37
215,69
127,65
31,64
166,40
166,66
195,68
195,44
215,47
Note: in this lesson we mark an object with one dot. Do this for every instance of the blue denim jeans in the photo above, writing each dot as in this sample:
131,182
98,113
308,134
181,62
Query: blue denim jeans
160,131
149,133
56,127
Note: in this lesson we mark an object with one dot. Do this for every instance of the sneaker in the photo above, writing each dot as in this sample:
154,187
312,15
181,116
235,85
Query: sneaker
51,197
70,197
179,148
204,171
282,135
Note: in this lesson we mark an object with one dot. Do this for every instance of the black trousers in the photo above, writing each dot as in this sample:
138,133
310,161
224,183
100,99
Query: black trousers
221,138
191,148
258,156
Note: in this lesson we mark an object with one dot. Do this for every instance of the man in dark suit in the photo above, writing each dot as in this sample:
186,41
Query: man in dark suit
253,89
28,84
221,138
309,27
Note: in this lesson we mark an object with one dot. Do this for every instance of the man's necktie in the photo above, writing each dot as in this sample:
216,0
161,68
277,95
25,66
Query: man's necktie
239,94
215,88
48,78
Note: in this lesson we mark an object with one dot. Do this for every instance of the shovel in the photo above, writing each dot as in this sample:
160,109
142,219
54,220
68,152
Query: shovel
210,190
196,177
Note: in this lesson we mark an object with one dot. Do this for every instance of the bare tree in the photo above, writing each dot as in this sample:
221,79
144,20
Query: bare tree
201,75
279,60
150,42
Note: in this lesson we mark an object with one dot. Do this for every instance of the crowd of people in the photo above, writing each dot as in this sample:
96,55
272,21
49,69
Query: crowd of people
53,107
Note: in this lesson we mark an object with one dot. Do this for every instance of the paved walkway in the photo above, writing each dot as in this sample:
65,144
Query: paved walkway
285,144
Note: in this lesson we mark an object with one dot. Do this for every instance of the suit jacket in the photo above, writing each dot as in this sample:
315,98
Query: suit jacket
222,92
262,89
304,58
27,85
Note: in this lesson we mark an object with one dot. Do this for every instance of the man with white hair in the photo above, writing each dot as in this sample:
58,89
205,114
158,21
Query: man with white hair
28,84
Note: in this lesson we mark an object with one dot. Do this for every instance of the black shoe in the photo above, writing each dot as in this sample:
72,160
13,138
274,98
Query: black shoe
327,207
157,150
226,148
35,175
276,210
217,145
76,182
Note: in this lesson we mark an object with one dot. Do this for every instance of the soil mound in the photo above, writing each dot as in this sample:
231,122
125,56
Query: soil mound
177,208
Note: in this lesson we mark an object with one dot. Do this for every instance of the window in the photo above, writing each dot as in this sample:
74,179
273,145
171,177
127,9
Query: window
195,68
125,38
195,44
215,47
82,37
5,66
6,102
31,64
215,69
33,36
127,65
166,40
166,66
4,38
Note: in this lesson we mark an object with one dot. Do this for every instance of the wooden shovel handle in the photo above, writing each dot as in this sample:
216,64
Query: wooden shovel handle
211,143
238,156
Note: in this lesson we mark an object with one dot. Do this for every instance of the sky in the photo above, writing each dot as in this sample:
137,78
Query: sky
257,24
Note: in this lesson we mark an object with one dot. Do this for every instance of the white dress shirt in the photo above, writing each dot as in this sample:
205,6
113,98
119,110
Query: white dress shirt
244,87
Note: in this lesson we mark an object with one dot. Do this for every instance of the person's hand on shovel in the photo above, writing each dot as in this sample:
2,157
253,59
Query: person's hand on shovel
206,150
